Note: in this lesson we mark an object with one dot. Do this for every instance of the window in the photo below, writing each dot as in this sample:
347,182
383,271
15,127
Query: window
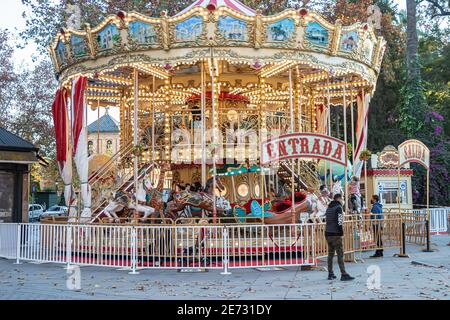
388,190
109,149
90,147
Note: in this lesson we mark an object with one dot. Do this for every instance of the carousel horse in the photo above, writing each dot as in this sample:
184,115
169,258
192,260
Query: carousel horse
122,200
306,202
198,201
154,195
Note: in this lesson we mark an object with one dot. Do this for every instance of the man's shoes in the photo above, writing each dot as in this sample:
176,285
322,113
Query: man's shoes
377,255
346,277
331,276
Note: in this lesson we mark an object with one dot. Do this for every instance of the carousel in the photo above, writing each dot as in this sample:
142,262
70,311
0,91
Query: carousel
198,94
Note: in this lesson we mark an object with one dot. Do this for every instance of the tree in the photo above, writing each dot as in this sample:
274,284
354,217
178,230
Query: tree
7,76
437,8
32,96
46,17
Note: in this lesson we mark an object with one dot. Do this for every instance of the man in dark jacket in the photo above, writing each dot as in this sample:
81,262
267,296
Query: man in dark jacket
333,234
377,224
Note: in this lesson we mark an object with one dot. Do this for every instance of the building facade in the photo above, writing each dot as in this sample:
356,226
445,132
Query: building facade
103,136
16,158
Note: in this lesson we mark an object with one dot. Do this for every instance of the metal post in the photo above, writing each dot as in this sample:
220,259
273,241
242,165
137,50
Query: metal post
19,242
427,222
68,246
225,256
133,251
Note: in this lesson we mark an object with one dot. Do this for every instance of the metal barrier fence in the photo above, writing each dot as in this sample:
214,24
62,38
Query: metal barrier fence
8,240
439,219
206,246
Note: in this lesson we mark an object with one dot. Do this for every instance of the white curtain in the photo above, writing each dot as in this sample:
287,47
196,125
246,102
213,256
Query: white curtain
81,153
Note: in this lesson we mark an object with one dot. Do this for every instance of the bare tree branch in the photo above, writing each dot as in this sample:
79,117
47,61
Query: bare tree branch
442,11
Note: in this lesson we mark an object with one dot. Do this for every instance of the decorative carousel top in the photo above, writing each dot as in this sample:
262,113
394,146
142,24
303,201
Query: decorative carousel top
235,33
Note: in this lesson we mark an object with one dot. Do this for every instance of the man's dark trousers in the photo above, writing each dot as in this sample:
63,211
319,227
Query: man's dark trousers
377,233
335,244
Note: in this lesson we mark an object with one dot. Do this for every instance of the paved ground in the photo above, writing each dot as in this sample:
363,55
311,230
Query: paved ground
400,279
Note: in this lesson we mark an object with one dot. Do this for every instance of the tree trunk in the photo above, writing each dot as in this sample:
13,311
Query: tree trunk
412,44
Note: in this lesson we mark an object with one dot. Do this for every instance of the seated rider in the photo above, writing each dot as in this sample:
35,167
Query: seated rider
337,187
355,194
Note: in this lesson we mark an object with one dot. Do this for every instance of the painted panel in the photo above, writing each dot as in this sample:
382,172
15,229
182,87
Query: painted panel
367,49
143,33
281,30
60,53
108,37
79,47
349,41
189,30
233,29
316,34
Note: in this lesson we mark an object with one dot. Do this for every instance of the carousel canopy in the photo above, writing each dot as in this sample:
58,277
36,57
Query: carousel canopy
217,31
214,4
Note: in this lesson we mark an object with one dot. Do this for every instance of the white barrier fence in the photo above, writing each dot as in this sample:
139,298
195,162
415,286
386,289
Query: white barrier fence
206,246
438,218
8,240
160,246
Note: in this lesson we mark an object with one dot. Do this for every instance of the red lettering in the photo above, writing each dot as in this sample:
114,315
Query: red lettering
293,142
270,151
282,148
304,146
316,146
326,148
338,153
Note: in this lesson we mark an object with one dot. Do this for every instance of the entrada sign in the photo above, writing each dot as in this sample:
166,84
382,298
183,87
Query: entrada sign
303,145
414,151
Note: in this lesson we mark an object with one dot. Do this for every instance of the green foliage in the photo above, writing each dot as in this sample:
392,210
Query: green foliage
413,107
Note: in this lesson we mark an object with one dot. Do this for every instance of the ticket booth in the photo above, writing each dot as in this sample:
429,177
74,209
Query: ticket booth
382,179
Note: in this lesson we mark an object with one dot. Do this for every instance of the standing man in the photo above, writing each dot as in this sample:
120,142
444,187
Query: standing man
377,224
333,234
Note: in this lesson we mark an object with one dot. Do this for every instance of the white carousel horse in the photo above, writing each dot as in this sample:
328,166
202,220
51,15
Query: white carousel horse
122,200
316,207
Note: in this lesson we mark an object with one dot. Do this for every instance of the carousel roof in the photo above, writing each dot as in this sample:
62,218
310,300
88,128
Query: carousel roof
213,4
213,33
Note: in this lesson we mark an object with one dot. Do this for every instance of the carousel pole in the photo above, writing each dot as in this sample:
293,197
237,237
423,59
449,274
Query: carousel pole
292,129
325,163
299,110
346,149
213,118
329,124
135,129
203,103
261,183
153,119
365,162
353,128
98,126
